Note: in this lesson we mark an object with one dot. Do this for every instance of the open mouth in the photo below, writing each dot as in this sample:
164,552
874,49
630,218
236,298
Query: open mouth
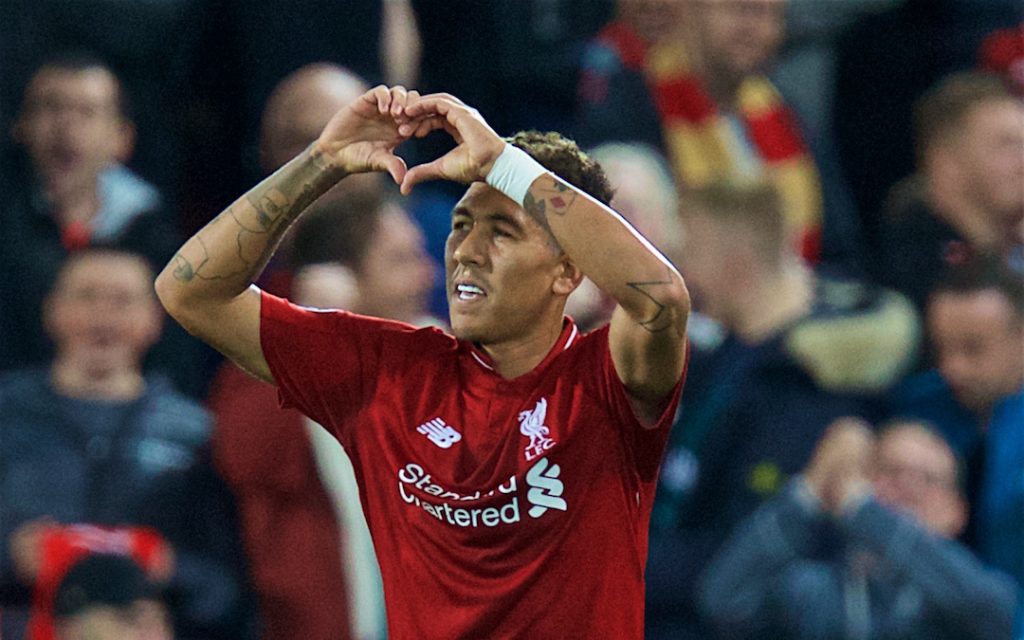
469,292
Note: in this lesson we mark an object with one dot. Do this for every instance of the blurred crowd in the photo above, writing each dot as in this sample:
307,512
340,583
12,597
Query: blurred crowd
840,182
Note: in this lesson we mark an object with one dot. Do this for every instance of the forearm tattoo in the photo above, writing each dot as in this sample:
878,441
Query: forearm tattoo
552,196
256,222
660,319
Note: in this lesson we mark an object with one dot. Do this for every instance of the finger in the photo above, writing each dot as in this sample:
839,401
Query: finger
411,97
420,173
422,127
398,96
441,103
383,97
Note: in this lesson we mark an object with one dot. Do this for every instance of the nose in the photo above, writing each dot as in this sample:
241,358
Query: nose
471,247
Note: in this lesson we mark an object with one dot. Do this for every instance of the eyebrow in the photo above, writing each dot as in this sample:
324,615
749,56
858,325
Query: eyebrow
495,216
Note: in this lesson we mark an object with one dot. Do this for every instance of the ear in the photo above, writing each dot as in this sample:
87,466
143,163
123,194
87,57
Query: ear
124,143
567,278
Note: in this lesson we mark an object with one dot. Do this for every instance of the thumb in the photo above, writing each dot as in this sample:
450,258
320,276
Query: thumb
421,173
395,166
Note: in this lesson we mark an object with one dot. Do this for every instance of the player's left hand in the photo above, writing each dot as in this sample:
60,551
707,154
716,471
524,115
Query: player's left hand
478,145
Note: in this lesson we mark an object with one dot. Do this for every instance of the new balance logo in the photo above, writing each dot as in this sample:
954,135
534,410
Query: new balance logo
545,488
439,433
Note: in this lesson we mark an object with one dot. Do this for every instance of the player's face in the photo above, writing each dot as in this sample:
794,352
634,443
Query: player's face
102,313
504,274
979,345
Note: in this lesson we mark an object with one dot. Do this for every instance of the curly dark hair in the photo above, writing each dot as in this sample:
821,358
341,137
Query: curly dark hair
564,158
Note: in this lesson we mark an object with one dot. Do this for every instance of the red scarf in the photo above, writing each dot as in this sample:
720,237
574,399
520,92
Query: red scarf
703,147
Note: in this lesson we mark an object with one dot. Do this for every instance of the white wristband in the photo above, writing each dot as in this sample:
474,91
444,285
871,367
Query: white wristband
513,173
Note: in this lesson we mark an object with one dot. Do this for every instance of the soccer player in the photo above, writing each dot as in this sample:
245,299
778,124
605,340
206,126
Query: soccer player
507,472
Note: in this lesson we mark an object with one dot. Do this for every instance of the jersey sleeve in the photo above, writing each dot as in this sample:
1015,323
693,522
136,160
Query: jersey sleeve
324,363
646,444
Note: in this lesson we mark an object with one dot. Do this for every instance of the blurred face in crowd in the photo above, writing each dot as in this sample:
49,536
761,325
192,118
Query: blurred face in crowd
989,152
300,108
396,273
716,262
72,127
144,620
102,314
505,277
979,344
915,472
652,20
739,37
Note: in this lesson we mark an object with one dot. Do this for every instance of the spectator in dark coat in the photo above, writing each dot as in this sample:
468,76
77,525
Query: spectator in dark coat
891,570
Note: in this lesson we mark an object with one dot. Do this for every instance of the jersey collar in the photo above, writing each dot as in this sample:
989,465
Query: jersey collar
565,340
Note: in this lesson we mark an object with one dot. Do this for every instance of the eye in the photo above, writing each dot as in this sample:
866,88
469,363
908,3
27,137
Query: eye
460,225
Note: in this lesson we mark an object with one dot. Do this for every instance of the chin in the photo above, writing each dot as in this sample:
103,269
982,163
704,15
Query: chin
467,333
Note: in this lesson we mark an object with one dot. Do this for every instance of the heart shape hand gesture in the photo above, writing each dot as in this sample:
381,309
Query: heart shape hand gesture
363,136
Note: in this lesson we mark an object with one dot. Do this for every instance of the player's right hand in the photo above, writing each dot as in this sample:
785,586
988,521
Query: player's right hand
362,136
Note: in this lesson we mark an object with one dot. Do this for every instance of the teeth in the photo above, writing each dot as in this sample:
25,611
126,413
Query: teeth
467,291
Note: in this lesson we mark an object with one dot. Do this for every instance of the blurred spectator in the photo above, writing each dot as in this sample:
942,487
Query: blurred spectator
151,46
689,74
797,353
109,597
300,106
645,194
383,250
44,552
976,399
892,570
263,450
967,197
91,439
71,191
884,63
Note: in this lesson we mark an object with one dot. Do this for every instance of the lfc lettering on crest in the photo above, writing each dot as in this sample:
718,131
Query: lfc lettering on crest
531,425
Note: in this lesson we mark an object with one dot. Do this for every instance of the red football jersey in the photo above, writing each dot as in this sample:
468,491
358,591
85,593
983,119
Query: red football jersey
498,508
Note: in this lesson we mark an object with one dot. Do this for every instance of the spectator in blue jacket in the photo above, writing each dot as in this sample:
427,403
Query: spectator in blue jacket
975,397
854,552
90,439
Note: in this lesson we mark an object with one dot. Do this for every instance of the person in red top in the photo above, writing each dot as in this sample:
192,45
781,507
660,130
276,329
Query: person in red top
506,471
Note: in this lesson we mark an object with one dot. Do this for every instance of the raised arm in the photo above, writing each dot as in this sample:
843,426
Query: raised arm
207,286
648,328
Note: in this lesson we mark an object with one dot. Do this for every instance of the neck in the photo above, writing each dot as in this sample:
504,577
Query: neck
73,380
970,220
778,298
515,358
73,203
